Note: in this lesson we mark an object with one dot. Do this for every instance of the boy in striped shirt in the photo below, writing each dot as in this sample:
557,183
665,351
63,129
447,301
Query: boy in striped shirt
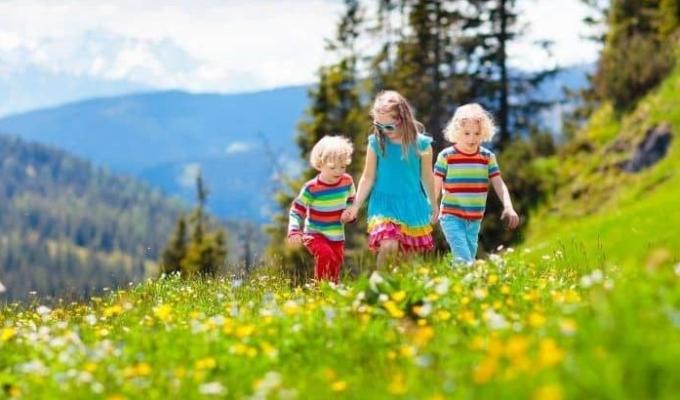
462,175
320,205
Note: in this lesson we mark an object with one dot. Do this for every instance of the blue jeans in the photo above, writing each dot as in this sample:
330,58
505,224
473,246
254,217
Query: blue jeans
462,236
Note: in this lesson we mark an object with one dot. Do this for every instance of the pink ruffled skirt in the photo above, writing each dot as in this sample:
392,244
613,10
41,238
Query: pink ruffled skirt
408,241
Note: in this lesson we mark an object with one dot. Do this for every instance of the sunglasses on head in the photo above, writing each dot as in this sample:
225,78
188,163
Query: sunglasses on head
389,127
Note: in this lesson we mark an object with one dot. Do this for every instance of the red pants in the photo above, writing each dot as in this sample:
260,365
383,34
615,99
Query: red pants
328,257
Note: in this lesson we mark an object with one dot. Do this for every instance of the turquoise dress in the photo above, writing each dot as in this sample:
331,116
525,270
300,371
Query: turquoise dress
398,199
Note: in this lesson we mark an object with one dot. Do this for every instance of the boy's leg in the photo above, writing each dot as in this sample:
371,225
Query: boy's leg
336,267
324,256
472,237
454,232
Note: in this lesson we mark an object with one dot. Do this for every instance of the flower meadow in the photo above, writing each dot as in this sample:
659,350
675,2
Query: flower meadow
518,325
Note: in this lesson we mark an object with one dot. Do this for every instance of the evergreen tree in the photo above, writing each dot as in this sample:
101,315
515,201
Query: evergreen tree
176,248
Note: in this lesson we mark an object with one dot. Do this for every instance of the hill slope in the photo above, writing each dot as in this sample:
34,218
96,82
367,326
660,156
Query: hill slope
68,227
599,207
163,137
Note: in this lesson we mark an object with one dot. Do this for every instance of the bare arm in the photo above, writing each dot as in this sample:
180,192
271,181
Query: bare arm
427,178
504,195
365,185
438,183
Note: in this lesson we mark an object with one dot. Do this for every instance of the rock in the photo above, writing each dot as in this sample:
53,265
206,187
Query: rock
651,150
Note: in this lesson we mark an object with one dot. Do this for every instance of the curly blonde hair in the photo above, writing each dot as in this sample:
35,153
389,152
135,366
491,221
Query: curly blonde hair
470,111
330,150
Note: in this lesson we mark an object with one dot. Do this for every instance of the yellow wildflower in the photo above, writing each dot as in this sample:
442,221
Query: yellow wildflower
393,310
206,363
549,354
113,310
398,296
397,386
7,333
163,312
423,335
485,370
339,386
443,315
244,331
536,319
548,392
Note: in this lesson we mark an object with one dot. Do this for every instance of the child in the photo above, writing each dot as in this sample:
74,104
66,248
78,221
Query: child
463,171
398,177
320,204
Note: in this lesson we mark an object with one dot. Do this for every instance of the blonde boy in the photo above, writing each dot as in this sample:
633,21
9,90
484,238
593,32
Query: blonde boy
462,175
320,205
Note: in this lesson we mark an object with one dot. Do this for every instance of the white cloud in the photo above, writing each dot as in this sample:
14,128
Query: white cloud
187,178
220,45
204,45
237,147
561,22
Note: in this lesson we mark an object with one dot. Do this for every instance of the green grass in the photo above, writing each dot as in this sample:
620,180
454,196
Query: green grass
631,218
557,330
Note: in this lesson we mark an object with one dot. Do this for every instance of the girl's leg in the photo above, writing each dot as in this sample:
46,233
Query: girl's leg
455,234
387,252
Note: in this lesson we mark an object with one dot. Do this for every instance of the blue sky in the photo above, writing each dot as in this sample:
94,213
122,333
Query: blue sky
215,46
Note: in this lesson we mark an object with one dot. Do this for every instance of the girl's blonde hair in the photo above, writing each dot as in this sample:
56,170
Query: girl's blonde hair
392,102
331,150
471,111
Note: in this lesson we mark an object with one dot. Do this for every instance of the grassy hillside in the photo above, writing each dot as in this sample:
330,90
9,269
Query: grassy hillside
629,218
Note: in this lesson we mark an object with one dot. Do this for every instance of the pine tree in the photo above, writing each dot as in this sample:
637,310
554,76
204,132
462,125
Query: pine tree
176,249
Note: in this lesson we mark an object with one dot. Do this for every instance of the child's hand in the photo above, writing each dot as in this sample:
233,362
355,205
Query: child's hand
350,214
435,215
295,240
511,216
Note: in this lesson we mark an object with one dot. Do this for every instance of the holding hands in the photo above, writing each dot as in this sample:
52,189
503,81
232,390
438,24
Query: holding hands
295,239
435,215
349,215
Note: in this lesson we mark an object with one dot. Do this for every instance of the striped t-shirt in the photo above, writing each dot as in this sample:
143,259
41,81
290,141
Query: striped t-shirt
320,205
466,181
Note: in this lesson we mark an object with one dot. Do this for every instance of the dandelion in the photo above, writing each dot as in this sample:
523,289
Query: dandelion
244,331
163,312
536,320
397,385
548,392
398,296
206,363
113,310
516,347
443,315
492,279
549,354
137,370
485,370
6,334
393,310
423,335
339,386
